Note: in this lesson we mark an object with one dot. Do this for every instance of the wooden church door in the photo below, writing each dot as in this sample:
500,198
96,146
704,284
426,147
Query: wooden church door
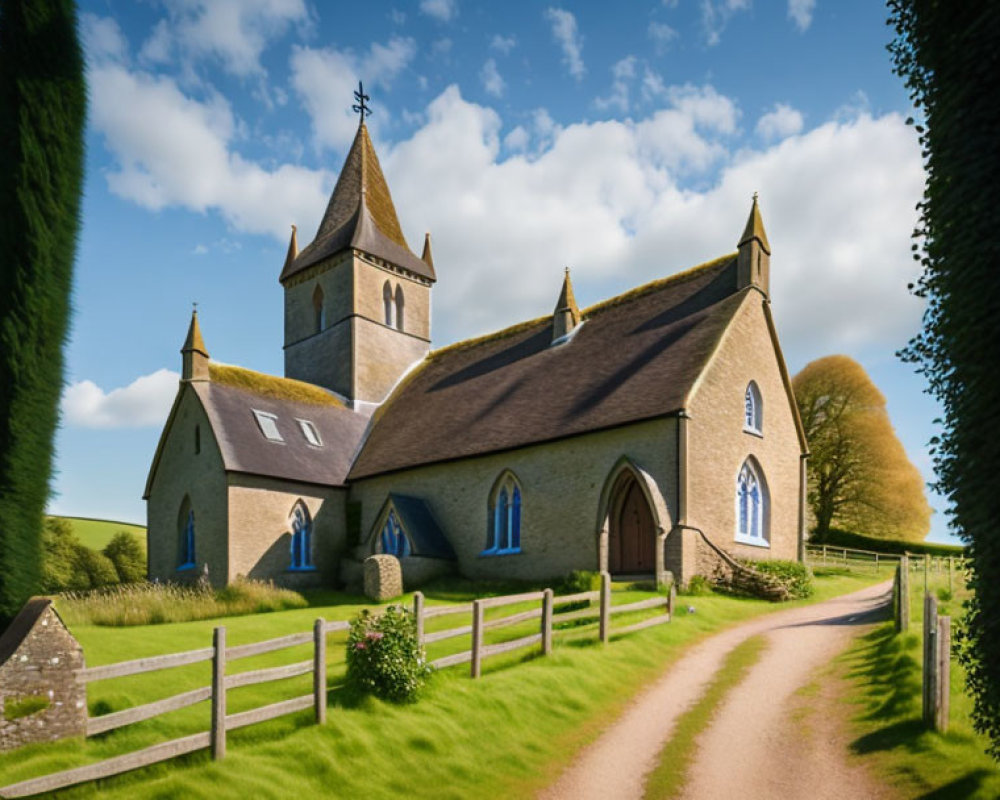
631,542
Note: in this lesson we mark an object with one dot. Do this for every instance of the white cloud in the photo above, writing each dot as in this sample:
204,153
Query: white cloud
622,72
503,44
144,402
491,78
565,32
663,36
837,201
779,123
715,15
102,39
517,140
172,150
801,12
159,46
441,10
236,32
318,75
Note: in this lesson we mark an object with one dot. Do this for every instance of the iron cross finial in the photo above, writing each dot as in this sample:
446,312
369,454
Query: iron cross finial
362,107
194,305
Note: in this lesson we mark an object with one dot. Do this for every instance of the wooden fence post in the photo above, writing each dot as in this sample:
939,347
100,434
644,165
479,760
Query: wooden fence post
904,594
547,600
943,674
845,557
418,616
319,670
219,694
926,557
824,555
605,624
477,637
930,659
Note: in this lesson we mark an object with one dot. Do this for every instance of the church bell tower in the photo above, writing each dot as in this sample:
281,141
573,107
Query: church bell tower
357,299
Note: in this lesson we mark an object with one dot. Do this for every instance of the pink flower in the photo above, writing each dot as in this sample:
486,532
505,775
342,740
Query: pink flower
373,635
359,645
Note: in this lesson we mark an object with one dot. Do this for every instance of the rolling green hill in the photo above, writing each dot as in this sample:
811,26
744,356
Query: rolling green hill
96,533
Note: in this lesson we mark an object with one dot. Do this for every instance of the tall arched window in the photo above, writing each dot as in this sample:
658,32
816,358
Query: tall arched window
301,538
319,313
393,541
387,301
505,517
753,409
752,506
185,536
399,307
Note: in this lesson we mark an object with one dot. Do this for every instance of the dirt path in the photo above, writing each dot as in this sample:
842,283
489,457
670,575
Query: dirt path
750,740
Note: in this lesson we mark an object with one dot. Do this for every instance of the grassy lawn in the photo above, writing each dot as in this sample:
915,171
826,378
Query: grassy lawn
96,533
885,671
505,735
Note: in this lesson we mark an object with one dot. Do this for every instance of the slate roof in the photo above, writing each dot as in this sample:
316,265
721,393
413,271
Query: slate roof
426,537
21,626
635,357
360,215
245,449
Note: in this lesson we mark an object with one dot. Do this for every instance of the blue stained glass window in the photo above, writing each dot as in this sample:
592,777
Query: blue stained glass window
393,540
515,521
301,539
505,518
187,543
751,502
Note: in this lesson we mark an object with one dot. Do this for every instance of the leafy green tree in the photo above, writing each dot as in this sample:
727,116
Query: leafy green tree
126,553
42,110
947,54
859,475
59,555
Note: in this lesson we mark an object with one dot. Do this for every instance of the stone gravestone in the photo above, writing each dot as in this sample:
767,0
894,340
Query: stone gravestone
40,697
383,577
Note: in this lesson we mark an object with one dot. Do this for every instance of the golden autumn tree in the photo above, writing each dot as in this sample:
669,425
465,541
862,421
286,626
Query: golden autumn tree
859,475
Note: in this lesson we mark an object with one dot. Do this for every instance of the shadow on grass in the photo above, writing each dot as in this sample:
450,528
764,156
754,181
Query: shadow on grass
959,788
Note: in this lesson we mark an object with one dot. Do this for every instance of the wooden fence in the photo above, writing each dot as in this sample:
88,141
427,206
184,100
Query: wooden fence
220,655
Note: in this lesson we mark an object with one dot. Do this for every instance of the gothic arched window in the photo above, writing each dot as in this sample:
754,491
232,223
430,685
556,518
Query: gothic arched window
301,538
753,409
185,536
505,517
752,506
387,301
319,313
399,307
393,541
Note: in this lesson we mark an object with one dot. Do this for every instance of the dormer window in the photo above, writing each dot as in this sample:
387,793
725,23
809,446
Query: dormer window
752,410
310,433
268,424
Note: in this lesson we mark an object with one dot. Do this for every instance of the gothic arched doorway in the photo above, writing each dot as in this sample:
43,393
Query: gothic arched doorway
632,532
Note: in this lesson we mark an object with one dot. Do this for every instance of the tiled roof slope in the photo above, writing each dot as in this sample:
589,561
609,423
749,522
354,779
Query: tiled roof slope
245,449
634,358
360,215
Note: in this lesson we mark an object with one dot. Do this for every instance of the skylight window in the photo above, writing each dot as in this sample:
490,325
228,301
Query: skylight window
268,424
310,432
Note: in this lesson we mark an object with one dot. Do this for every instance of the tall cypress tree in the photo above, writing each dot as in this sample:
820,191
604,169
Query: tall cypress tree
948,54
42,112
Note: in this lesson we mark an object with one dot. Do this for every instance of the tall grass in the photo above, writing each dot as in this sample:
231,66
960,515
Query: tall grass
158,603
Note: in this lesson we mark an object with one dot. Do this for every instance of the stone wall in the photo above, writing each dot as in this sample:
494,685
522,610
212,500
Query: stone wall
38,662
561,484
182,472
718,445
260,511
335,277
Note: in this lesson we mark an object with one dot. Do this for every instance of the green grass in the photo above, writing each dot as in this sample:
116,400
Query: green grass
885,672
670,774
505,735
96,533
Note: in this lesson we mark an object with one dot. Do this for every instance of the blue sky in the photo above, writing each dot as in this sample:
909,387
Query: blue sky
621,140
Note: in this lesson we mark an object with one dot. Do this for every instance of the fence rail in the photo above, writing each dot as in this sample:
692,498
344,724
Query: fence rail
220,654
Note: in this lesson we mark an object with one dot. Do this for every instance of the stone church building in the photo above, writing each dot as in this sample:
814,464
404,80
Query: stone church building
647,434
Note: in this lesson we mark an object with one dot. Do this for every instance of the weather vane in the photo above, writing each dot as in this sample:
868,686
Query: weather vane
361,106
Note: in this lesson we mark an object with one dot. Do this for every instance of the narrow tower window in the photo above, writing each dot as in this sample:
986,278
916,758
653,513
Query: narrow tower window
399,307
387,302
319,312
753,411
185,543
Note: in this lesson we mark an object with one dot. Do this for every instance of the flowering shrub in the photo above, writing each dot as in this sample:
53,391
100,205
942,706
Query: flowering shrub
384,657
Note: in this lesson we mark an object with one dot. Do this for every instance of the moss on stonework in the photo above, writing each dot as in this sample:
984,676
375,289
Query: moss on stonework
24,706
272,386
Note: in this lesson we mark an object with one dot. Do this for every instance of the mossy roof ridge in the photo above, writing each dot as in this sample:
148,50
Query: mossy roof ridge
656,285
271,385
486,338
377,194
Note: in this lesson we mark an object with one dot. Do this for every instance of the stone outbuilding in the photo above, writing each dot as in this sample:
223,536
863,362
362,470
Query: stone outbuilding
642,435
40,697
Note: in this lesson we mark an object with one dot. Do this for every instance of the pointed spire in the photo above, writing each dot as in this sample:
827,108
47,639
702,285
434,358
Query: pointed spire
566,316
755,228
194,354
426,256
293,249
